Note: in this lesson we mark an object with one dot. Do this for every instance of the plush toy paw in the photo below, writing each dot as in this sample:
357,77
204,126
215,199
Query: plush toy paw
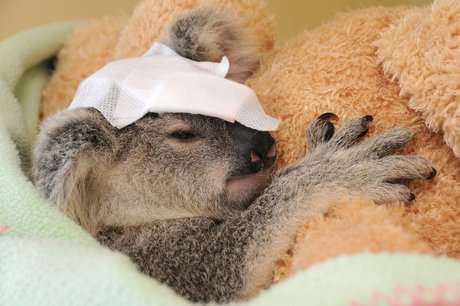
365,169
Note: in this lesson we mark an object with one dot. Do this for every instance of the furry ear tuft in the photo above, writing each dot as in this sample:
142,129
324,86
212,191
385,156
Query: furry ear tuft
207,34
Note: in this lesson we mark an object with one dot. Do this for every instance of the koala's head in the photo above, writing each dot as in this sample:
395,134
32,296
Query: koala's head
183,165
162,166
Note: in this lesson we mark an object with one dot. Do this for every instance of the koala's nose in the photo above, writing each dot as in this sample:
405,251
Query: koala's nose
265,158
256,150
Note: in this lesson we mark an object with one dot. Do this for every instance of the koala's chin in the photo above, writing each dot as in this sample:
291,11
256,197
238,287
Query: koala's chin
242,191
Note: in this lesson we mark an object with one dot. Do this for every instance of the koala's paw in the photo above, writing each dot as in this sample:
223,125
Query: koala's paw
365,169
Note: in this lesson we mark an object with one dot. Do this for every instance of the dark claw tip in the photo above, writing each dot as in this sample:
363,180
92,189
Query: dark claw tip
433,173
412,197
369,118
329,132
327,116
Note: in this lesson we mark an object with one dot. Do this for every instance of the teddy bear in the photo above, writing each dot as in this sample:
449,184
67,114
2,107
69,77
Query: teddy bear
399,65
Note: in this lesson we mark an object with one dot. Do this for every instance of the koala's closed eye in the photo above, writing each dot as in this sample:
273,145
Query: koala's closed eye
183,135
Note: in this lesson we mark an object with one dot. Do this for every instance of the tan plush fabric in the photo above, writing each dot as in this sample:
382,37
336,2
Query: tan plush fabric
422,52
332,69
352,227
88,49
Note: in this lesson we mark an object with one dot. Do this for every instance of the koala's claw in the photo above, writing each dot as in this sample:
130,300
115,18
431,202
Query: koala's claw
432,174
388,193
399,167
384,143
320,131
328,116
369,118
350,132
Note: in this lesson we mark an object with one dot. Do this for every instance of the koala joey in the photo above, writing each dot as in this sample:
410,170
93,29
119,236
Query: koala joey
189,198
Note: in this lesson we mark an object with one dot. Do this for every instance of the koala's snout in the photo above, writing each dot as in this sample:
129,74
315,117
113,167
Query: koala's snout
256,150
261,156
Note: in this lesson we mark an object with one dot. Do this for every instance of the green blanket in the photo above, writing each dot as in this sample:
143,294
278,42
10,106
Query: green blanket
47,259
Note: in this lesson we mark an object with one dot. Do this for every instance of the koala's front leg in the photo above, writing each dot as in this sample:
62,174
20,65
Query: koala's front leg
334,168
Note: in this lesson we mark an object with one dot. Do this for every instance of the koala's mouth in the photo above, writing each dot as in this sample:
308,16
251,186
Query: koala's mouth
249,180
243,189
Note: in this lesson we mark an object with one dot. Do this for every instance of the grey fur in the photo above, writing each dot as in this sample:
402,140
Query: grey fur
167,203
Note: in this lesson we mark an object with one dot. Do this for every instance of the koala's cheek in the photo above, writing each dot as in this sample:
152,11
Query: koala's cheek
214,175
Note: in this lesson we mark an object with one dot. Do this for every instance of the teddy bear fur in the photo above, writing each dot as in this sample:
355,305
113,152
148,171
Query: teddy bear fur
396,64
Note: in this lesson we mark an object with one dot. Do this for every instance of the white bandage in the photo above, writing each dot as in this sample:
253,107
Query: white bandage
161,81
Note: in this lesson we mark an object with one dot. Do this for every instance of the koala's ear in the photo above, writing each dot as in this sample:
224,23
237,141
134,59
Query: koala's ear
207,34
71,152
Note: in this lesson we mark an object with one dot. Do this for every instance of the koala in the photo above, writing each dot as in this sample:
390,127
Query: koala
193,200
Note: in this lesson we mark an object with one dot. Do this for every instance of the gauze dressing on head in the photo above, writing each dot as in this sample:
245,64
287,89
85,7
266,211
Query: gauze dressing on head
161,81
